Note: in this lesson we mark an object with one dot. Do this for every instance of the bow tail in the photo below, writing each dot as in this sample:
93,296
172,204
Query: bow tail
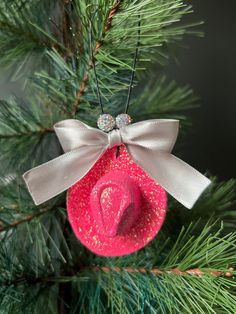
178,178
54,177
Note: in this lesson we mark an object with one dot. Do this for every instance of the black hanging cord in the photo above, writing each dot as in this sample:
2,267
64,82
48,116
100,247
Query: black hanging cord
132,73
95,71
133,69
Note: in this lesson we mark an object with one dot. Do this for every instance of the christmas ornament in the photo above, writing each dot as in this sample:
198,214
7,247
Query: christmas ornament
116,208
116,202
116,205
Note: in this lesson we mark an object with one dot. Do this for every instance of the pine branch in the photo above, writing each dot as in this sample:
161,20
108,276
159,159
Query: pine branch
125,289
18,118
26,36
28,253
10,28
70,29
114,38
28,128
25,219
217,201
17,208
98,45
65,25
157,271
21,36
39,132
196,272
163,99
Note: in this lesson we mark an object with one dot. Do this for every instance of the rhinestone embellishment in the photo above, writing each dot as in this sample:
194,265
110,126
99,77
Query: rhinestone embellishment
122,120
106,122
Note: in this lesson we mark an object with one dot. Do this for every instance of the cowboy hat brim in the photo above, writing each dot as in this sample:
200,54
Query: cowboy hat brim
153,208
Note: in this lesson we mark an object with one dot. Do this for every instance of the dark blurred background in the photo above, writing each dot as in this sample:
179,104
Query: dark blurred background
209,66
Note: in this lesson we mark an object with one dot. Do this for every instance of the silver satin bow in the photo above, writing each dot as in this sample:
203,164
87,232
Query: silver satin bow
149,144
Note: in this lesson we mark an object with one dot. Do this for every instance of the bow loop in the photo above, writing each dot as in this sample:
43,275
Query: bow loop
157,135
148,142
73,134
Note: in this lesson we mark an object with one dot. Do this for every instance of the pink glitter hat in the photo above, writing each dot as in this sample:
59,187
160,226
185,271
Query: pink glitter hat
116,209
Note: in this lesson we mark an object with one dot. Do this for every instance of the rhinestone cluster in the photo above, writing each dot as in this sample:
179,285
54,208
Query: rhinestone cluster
107,123
123,120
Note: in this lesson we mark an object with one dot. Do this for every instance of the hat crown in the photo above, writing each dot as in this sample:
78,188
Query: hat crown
115,203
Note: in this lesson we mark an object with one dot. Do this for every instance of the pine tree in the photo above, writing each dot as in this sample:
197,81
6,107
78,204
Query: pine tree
47,50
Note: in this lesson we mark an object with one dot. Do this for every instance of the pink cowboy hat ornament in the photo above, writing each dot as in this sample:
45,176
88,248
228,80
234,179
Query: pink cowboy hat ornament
116,209
116,203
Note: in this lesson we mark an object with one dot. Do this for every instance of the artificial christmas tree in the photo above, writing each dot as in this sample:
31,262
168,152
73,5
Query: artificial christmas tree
71,58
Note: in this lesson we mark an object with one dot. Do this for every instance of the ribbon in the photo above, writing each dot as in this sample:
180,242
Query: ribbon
149,144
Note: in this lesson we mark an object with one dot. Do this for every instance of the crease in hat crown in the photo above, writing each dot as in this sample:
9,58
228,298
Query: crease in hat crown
116,203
